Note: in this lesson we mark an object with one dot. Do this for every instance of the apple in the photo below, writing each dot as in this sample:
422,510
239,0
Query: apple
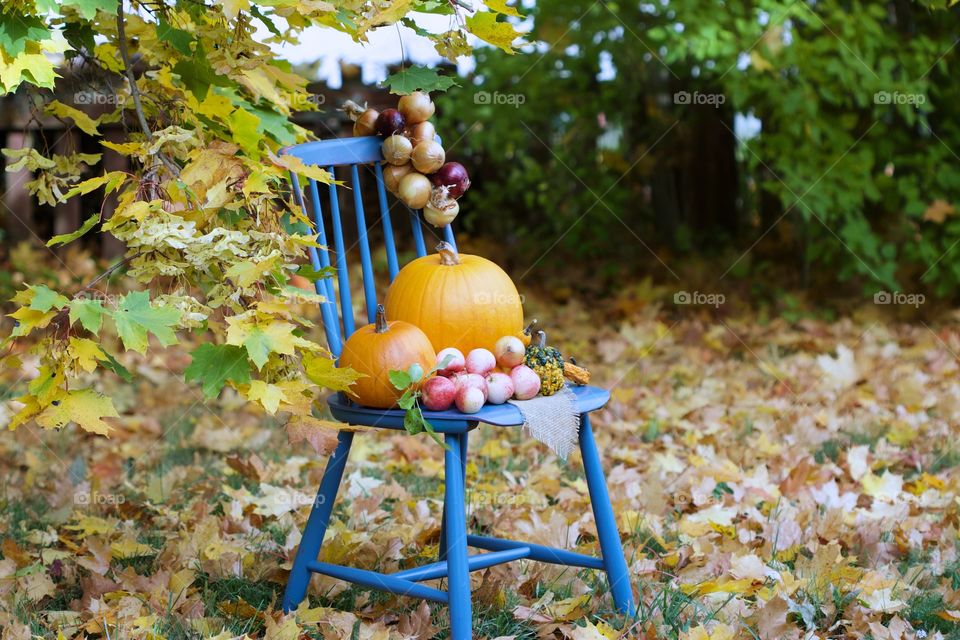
526,382
474,380
469,399
456,361
499,388
509,351
481,361
438,393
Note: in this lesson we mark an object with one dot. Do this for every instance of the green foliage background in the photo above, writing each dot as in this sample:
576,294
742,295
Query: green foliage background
859,136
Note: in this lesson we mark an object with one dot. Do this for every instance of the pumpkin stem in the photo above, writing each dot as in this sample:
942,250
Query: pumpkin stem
541,339
448,255
381,325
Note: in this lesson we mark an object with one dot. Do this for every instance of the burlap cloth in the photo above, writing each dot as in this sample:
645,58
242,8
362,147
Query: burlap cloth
553,420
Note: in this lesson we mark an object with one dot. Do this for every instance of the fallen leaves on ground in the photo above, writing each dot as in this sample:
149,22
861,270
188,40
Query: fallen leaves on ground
771,480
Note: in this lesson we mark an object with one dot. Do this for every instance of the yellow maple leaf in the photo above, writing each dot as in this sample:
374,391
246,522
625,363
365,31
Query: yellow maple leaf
297,166
84,122
29,319
268,395
286,630
85,353
92,525
485,26
260,339
86,407
232,8
128,548
324,372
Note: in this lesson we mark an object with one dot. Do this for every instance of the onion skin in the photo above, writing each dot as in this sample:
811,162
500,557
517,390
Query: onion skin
389,122
442,209
416,107
414,190
440,217
392,174
453,176
366,124
396,149
428,156
421,132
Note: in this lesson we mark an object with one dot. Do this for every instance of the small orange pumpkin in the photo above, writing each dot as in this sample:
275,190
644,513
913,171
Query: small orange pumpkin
381,347
461,301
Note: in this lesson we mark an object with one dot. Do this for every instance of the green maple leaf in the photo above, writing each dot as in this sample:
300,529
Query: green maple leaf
88,8
177,38
135,318
409,80
88,312
215,364
17,30
45,299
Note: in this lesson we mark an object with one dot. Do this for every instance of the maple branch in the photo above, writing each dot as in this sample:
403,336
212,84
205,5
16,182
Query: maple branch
135,91
112,268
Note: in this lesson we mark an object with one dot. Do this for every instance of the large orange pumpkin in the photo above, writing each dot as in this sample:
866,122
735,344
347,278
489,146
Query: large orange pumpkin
460,301
381,347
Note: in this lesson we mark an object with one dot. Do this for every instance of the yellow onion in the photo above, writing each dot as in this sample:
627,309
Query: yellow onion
441,209
396,149
414,190
365,124
421,132
392,173
428,156
416,107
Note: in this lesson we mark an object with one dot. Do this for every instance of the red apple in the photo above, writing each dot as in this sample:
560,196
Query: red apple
481,361
438,393
472,380
526,382
499,388
469,399
457,361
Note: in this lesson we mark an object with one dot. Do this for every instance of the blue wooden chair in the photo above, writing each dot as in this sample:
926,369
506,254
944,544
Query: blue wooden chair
454,562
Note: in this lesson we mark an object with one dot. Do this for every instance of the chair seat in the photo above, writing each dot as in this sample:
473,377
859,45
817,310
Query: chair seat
452,421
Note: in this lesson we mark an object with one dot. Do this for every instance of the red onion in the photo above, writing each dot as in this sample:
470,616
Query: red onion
453,176
390,121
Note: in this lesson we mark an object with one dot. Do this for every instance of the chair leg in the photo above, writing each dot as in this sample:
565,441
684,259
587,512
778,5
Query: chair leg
610,546
464,443
455,540
316,525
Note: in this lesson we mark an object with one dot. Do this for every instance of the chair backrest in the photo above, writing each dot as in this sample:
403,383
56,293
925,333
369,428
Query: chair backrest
352,153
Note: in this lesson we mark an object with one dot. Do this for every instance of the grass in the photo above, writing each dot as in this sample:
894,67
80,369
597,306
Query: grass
922,612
